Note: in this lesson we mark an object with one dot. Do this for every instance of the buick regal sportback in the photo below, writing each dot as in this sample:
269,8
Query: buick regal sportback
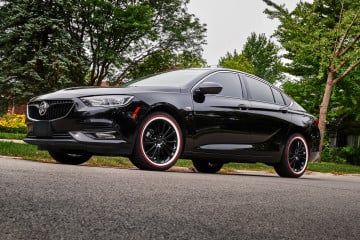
212,116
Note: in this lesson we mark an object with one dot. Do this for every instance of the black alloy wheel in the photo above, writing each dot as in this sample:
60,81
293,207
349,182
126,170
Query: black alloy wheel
159,143
295,157
68,157
206,166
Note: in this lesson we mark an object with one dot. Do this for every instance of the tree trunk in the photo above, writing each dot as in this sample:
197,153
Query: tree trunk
324,108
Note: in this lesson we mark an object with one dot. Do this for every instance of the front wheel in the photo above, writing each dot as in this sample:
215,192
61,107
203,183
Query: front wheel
159,143
295,157
206,166
73,158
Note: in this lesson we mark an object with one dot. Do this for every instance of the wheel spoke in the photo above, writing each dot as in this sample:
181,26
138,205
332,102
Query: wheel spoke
158,127
163,128
165,133
167,150
154,153
150,149
158,154
169,135
164,156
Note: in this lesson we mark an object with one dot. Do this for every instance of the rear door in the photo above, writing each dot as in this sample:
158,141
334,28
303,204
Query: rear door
269,116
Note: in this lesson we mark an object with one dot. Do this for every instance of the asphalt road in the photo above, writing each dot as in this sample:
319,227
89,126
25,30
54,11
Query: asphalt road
54,201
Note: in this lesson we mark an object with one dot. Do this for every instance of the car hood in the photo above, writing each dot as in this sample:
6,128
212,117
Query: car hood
94,91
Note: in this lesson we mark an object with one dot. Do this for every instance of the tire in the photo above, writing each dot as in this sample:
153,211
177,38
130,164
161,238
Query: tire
73,158
205,166
294,159
158,144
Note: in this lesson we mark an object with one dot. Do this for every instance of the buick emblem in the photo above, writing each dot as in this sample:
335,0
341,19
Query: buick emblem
43,107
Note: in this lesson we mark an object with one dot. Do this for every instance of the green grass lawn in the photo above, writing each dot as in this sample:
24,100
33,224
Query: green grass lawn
30,152
5,135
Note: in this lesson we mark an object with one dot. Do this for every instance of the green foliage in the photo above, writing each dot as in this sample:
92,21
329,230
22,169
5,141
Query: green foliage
309,34
329,154
321,39
345,99
165,61
334,168
37,51
305,93
114,29
341,155
259,57
49,45
236,61
136,31
352,155
296,35
263,55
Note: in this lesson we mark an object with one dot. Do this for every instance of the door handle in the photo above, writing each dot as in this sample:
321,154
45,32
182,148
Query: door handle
284,109
242,106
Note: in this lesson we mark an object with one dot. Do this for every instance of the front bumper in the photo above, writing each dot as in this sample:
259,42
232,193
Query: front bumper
82,142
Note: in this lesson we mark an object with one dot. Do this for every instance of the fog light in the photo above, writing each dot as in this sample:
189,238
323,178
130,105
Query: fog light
105,135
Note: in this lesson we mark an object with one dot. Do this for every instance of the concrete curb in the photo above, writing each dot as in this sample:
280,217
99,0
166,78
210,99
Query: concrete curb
12,140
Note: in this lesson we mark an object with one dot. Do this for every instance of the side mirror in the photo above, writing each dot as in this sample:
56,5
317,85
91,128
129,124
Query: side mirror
208,88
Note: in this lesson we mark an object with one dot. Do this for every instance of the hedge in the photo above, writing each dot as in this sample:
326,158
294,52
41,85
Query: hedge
14,123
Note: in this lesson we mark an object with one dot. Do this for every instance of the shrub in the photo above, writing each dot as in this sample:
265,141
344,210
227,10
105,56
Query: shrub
330,154
13,123
352,155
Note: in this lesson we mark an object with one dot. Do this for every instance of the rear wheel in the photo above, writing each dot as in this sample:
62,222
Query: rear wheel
206,166
159,143
295,157
65,157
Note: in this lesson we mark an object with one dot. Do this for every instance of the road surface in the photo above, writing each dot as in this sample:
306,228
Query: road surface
54,201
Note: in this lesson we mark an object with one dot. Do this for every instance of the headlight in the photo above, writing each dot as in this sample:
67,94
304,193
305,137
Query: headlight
107,100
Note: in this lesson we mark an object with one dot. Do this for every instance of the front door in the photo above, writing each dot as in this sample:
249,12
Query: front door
221,121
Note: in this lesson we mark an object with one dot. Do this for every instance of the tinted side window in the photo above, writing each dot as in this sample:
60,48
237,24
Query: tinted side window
278,97
230,83
259,91
287,99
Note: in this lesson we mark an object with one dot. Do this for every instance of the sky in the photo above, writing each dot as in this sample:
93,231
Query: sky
230,22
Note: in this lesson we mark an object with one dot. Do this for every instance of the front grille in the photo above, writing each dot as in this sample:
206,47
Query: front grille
55,109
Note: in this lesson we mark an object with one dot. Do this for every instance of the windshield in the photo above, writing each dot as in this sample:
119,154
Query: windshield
178,78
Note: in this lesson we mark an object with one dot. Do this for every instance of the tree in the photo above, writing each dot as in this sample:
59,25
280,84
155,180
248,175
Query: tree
37,52
263,55
165,61
345,99
322,41
123,33
113,29
46,45
236,61
259,57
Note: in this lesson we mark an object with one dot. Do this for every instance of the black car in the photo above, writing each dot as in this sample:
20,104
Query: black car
212,116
